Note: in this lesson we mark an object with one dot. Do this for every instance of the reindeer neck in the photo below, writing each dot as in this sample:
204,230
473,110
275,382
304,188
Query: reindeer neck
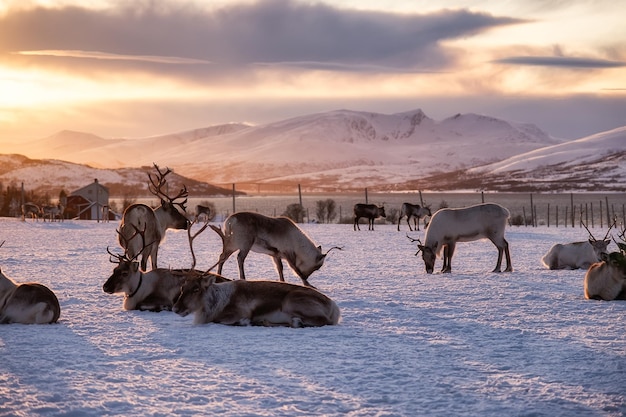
138,286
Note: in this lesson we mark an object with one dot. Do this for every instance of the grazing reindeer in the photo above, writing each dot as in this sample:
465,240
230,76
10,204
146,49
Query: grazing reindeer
577,254
370,212
29,303
155,290
606,280
278,237
259,303
153,221
31,210
53,212
413,210
449,226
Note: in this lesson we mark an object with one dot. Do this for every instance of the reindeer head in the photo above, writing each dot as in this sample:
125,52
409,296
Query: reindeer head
428,254
599,246
176,219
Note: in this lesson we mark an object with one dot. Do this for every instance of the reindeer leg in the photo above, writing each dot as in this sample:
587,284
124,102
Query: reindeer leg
279,267
448,251
509,267
241,256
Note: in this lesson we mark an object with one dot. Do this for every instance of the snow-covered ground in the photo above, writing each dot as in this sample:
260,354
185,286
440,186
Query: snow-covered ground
468,343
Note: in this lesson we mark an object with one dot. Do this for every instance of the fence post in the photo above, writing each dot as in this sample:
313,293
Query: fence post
565,218
608,215
548,217
571,196
233,197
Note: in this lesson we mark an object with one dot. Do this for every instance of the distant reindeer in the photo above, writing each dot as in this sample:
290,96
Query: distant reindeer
258,303
370,212
154,222
31,210
204,211
413,210
606,280
451,225
53,212
278,237
577,254
28,303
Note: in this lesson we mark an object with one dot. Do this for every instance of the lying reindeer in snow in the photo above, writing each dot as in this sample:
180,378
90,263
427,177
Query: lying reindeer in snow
155,290
29,303
259,303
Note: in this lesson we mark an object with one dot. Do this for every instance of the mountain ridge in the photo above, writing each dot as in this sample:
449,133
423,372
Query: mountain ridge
341,149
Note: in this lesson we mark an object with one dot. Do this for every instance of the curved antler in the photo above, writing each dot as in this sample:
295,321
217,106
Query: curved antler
334,247
158,181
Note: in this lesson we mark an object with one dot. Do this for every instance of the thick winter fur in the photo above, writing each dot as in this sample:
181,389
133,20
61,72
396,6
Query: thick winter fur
413,210
451,225
278,237
153,224
370,211
28,303
606,280
155,290
575,255
260,303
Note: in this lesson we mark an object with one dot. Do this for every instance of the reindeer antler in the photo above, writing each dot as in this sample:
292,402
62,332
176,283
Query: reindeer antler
334,247
419,243
158,181
193,236
124,257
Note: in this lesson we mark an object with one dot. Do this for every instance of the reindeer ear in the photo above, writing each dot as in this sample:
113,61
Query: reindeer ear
207,281
134,266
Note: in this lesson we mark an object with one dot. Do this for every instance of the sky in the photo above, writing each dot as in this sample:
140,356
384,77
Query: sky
143,68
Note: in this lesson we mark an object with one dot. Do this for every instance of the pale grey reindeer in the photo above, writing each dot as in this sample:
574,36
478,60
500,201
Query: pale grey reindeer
415,211
153,222
451,225
577,254
28,303
258,303
278,237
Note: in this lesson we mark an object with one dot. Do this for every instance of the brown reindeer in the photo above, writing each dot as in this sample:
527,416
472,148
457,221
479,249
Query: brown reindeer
259,303
278,237
28,303
370,211
156,290
606,280
153,221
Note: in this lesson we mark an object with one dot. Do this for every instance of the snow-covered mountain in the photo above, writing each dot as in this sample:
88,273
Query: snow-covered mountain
340,149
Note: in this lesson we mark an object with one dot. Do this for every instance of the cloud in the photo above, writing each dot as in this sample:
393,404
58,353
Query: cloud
106,56
561,61
241,35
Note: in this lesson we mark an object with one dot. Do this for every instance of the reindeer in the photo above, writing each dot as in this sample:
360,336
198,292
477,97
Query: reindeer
53,212
257,303
156,290
204,211
413,210
606,280
577,254
31,210
370,212
28,303
451,225
153,221
278,237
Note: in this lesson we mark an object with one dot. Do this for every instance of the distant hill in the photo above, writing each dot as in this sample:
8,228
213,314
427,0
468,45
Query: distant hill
52,176
350,150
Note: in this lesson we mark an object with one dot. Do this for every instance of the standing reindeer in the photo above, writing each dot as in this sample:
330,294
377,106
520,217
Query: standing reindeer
278,237
413,210
451,225
370,211
31,210
154,222
28,303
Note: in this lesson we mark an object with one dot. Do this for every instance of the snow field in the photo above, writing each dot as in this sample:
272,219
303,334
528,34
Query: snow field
467,343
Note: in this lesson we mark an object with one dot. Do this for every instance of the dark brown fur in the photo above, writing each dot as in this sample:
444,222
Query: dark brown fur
262,303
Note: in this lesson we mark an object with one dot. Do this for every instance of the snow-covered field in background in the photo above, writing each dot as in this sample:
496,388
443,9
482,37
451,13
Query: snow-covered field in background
468,343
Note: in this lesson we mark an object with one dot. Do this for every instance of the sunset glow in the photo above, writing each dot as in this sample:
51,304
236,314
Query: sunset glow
150,68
